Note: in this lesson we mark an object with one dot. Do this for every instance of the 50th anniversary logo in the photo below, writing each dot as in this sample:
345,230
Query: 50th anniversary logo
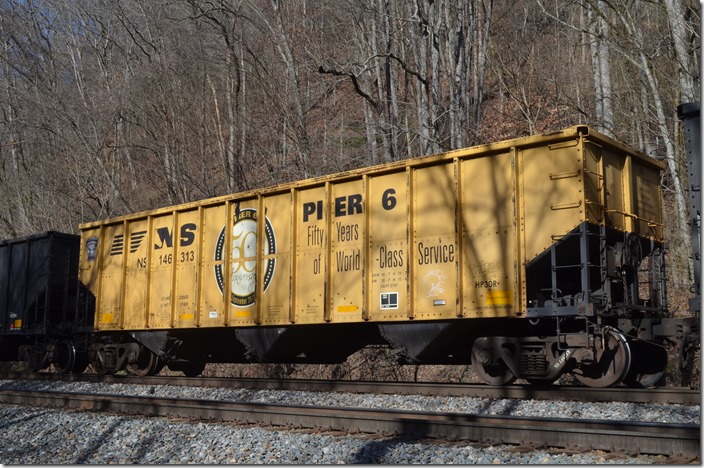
244,252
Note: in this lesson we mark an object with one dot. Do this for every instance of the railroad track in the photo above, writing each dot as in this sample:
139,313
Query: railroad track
665,395
678,440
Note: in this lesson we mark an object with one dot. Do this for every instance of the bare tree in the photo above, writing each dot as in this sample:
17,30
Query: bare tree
682,34
599,42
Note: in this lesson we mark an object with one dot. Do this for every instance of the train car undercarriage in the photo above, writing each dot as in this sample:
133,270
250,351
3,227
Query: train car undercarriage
597,355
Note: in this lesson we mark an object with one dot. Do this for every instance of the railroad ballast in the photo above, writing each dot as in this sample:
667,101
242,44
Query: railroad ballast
527,258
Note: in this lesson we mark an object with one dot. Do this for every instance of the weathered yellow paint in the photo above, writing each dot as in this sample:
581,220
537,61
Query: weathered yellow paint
443,237
488,233
311,254
434,251
388,247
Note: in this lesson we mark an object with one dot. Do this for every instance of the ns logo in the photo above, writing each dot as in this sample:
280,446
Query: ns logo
166,238
163,239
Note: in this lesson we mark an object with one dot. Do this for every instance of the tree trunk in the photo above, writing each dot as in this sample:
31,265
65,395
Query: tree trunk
601,66
687,70
282,43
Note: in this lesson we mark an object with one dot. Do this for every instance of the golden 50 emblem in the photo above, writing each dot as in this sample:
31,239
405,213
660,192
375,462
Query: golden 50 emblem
243,284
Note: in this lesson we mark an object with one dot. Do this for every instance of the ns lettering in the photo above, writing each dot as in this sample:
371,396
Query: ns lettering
165,239
187,236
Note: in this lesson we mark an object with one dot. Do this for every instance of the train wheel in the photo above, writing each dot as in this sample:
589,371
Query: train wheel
64,357
488,365
612,361
648,366
147,363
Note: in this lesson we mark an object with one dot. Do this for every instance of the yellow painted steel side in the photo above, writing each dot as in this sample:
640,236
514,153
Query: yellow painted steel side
347,252
311,255
553,194
276,301
216,245
437,238
488,236
434,248
388,246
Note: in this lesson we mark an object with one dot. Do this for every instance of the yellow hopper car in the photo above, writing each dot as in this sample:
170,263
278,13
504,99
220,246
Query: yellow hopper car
527,258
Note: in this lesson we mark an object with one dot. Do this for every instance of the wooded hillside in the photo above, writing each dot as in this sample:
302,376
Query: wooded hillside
116,106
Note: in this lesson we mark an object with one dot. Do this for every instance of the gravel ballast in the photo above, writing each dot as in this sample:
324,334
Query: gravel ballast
47,436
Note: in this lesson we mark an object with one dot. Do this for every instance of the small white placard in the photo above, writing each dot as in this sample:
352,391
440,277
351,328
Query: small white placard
388,300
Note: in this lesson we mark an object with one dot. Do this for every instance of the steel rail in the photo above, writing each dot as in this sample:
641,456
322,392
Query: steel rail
664,395
613,436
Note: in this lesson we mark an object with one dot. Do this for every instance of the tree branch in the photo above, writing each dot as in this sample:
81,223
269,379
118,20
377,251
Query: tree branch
331,71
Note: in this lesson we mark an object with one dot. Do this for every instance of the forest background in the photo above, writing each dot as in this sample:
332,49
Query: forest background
110,107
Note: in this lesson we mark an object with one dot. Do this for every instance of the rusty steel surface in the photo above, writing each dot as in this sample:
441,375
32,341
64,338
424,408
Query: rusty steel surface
620,437
664,395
